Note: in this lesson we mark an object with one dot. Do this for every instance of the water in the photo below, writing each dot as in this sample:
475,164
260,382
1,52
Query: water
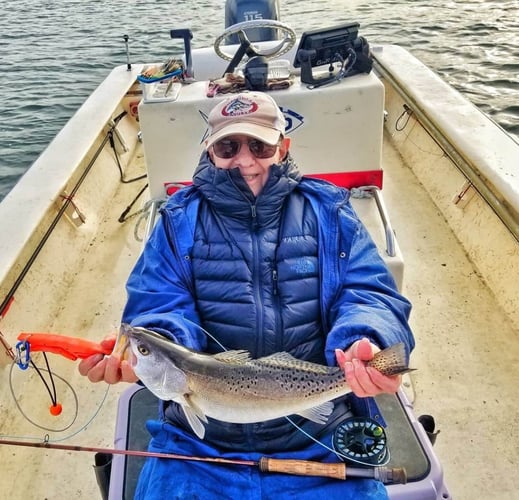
55,52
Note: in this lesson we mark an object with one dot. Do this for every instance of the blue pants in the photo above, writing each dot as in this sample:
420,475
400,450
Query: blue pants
179,479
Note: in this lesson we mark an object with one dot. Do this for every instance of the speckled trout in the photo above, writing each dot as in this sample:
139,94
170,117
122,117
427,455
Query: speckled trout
232,387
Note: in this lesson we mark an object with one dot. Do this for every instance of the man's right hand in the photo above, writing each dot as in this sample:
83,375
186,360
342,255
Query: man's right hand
110,369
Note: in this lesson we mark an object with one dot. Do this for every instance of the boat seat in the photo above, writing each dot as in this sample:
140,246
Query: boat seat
366,198
408,444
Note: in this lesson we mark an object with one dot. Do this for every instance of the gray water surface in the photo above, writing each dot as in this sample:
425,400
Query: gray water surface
54,53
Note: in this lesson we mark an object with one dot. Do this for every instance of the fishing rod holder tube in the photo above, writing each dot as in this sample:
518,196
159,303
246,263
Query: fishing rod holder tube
187,36
126,38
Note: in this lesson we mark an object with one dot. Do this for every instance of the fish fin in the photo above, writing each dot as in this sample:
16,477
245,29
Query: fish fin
318,414
279,357
391,361
284,359
194,415
194,421
234,357
186,401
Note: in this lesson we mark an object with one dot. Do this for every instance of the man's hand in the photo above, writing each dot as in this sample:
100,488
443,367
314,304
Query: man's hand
110,369
365,380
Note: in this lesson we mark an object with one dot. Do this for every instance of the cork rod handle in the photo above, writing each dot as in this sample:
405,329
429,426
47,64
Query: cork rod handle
303,468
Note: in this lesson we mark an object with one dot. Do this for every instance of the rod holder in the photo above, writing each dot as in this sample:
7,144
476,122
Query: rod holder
128,63
187,36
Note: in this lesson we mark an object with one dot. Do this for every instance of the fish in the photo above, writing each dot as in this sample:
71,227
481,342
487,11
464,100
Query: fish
232,387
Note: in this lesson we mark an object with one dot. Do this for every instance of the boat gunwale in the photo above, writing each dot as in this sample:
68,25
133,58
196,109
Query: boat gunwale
467,140
28,204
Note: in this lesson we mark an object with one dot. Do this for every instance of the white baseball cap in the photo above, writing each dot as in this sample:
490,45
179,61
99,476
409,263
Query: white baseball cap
254,114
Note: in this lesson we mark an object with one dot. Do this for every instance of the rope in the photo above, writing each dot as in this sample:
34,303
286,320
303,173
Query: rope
40,426
74,418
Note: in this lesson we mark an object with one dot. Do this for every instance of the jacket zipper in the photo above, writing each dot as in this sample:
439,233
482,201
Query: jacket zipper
256,284
276,299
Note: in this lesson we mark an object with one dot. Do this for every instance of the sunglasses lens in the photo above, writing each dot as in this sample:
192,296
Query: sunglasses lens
261,150
226,148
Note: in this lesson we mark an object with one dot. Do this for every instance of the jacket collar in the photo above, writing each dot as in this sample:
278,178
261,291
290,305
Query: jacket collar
230,196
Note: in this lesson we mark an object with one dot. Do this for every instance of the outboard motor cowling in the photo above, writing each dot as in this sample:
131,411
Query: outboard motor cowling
238,11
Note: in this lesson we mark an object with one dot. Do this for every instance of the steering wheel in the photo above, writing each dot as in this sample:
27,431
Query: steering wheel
283,47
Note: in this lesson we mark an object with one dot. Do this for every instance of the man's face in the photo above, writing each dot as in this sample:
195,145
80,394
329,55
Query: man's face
251,156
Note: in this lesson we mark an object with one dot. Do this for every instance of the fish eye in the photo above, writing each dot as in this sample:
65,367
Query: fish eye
143,350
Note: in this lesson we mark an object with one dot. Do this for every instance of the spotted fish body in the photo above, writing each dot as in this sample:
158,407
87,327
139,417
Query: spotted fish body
232,387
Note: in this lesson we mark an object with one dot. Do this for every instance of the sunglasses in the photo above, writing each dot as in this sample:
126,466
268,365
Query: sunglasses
229,148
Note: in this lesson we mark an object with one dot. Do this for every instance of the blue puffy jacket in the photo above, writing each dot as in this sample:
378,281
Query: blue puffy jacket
291,270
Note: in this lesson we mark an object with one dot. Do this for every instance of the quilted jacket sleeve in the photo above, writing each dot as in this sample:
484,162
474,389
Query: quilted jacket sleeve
366,302
159,294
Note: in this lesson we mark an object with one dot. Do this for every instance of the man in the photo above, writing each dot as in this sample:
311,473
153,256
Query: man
264,260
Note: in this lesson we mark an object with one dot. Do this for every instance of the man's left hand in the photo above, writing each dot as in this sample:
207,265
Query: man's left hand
364,380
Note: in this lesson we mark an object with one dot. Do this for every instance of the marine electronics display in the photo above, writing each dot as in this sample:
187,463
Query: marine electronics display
338,44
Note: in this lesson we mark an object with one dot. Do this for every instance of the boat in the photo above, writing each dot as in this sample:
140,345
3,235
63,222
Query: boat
435,181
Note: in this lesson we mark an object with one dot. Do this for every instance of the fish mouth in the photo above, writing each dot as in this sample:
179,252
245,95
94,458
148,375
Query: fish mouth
122,344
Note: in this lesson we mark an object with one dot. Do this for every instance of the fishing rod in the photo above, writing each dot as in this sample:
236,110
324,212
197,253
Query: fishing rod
74,348
386,475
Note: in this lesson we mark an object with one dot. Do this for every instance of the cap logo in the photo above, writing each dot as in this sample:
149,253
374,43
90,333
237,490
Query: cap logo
239,107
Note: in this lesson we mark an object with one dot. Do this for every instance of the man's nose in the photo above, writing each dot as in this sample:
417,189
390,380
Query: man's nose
245,158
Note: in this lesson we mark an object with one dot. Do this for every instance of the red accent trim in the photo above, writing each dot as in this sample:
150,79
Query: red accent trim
173,187
7,307
352,179
347,180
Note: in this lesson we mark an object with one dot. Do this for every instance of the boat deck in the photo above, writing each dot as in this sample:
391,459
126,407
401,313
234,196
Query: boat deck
467,355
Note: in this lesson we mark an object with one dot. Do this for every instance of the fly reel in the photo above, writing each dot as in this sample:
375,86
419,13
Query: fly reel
361,441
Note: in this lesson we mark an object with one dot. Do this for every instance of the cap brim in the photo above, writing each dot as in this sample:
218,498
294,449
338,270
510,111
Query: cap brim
267,135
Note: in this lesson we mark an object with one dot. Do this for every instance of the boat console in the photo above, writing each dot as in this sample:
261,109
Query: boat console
335,129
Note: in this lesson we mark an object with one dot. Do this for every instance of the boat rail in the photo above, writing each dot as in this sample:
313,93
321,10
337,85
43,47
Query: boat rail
467,140
388,228
28,213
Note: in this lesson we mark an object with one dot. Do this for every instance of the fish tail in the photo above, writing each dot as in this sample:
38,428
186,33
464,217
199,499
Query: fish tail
391,361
